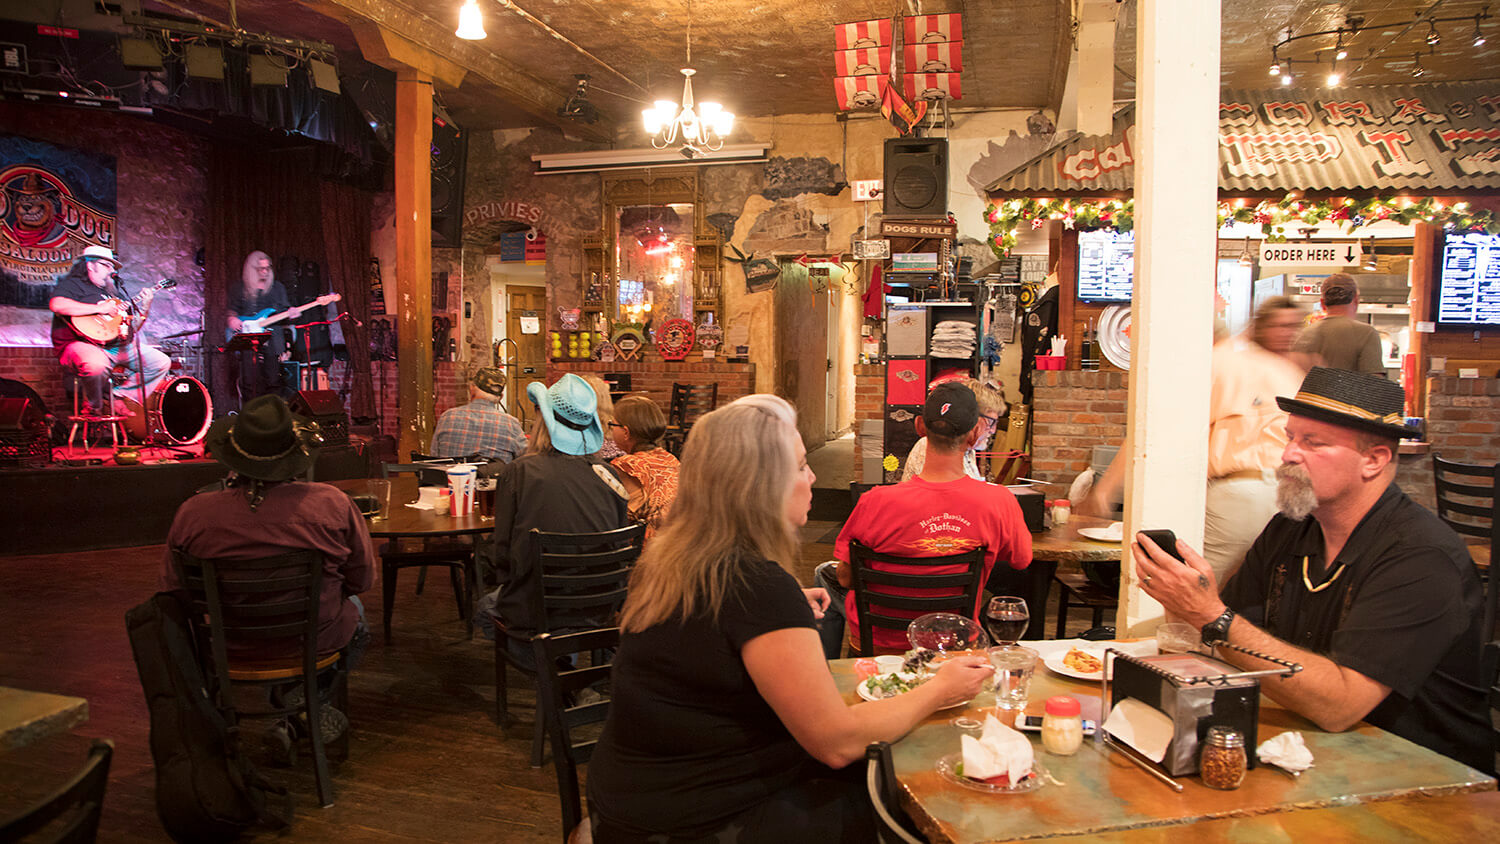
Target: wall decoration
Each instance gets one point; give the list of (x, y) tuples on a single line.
[(605, 352), (710, 335), (628, 342), (568, 318), (674, 339)]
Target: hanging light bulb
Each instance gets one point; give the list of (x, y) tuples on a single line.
[(1417, 70), (1340, 52), (1432, 34), (1286, 77), (1371, 263), (1246, 258), (470, 22), (1334, 78), (1275, 64), (1478, 36)]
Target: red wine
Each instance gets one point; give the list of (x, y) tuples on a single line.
[(1007, 625)]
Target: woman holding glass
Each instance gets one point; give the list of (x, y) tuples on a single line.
[(725, 719)]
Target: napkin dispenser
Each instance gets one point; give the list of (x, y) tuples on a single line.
[(1033, 504), (1194, 691)]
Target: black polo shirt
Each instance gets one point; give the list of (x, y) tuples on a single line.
[(1406, 611), (79, 289)]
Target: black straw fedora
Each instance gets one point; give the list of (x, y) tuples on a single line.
[(1355, 400), (266, 441)]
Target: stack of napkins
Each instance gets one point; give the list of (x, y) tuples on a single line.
[(998, 750), (953, 338)]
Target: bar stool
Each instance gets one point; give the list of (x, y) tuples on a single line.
[(109, 417)]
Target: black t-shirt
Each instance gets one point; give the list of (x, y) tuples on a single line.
[(690, 743), (274, 298), (79, 289), (1406, 612)]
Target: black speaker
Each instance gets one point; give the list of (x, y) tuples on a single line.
[(449, 154), (916, 177), (17, 414), (324, 408)]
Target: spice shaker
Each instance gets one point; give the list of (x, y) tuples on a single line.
[(1223, 762)]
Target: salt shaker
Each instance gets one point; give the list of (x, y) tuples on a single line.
[(1062, 510), (1223, 762)]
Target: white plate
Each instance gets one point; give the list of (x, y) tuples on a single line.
[(1055, 664), (1113, 533), (863, 691), (1114, 335), (948, 768)]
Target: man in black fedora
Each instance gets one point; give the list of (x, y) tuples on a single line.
[(1373, 595)]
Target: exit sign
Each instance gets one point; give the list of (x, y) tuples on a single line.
[(867, 190)]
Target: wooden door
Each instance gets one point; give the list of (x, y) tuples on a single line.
[(531, 351)]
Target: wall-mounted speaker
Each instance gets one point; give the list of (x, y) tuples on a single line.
[(449, 155), (916, 177)]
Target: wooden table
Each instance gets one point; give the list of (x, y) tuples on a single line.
[(404, 521), (1065, 545), (1105, 793), (26, 716)]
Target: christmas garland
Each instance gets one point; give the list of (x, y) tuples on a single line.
[(1007, 216)]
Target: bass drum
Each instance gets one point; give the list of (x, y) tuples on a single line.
[(178, 411)]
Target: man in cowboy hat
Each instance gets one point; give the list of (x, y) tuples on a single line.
[(480, 427), (91, 287), (266, 511), (557, 485), (1373, 595)]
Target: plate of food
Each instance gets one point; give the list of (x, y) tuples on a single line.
[(882, 686), (1078, 664), (1113, 532), (951, 767)]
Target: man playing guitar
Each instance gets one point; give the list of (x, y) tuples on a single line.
[(91, 287), (260, 373)]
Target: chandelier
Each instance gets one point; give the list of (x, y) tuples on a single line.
[(698, 129)]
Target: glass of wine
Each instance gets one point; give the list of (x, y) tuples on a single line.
[(1007, 618), (947, 634)]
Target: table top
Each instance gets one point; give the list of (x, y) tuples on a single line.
[(1103, 792), (1065, 545), (410, 521), (26, 716)]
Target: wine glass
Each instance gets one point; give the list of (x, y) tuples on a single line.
[(946, 634), (1007, 618)]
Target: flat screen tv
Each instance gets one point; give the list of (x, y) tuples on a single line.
[(1468, 284), (1106, 265)]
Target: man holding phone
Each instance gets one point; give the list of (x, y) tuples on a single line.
[(1373, 595)]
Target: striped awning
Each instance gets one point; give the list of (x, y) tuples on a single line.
[(1362, 140)]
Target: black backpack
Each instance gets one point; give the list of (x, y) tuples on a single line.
[(206, 790)]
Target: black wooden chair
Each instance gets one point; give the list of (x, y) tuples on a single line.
[(689, 401), (1089, 587), (273, 603), (1032, 584), (1468, 500), (892, 826), (873, 603), (583, 579), (74, 807), (456, 556), (559, 695)]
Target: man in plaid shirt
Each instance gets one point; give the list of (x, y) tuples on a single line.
[(480, 427)]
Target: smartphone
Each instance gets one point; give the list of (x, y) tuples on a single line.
[(1033, 723), (1166, 541)]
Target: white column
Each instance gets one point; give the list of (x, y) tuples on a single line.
[(1176, 188)]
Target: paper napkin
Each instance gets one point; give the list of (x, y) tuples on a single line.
[(998, 750), (1287, 751)]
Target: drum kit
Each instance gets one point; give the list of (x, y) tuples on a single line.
[(178, 411)]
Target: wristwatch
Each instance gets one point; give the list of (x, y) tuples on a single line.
[(1217, 631)]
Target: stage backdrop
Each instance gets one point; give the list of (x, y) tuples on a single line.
[(54, 201)]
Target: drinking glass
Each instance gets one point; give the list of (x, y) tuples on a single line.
[(1013, 669), (1178, 638), (381, 489), (947, 634), (1007, 618)]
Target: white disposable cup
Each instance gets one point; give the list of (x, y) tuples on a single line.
[(889, 664), (461, 483)]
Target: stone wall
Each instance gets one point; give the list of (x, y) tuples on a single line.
[(1073, 411), (1463, 424)]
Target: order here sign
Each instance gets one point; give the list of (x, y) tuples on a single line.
[(1310, 254)]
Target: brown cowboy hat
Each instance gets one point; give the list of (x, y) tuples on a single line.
[(266, 441)]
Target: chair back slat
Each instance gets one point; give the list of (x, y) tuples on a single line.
[(584, 576), (71, 813), (557, 691), (957, 593), (1481, 517)]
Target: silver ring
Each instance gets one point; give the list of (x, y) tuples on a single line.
[(1145, 580)]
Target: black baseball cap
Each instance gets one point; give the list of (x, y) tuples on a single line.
[(951, 410)]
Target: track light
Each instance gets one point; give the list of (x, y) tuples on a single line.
[(1334, 78), (1275, 64), (1339, 51), (1417, 71), (1247, 259), (1432, 34), (1478, 36), (1371, 263)]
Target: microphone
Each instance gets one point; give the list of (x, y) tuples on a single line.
[(352, 318)]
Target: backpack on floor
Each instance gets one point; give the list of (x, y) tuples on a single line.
[(206, 789)]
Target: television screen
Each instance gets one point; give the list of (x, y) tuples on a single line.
[(1106, 265), (1468, 287)]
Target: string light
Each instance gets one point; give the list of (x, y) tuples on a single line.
[(1339, 51), (1417, 71), (1478, 36), (1432, 34)]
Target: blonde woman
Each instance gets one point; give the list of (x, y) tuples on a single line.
[(606, 412), (725, 719), (648, 470)]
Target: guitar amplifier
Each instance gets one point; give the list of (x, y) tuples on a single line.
[(324, 408)]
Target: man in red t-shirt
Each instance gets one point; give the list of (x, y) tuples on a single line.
[(940, 512)]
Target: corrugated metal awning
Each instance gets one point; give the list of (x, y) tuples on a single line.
[(1401, 137)]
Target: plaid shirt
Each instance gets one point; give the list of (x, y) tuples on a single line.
[(478, 427)]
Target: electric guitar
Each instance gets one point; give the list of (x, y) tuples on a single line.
[(261, 320), (103, 329)]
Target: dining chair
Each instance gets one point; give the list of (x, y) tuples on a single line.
[(569, 664), (1468, 500), (1032, 584), (74, 808), (689, 401), (923, 592), (892, 824), (583, 579), (398, 554), (272, 603), (1086, 586), (1490, 663)]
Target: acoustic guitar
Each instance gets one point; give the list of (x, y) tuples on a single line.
[(258, 322), (103, 329)]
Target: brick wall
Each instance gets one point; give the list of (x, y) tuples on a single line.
[(869, 406), (1463, 424), (655, 377), (1073, 411)]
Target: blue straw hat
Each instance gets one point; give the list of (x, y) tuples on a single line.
[(569, 409)]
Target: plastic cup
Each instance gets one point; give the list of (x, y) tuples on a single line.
[(461, 479), (888, 664)]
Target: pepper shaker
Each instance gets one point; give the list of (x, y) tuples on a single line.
[(1223, 762)]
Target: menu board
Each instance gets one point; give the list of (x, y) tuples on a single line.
[(1106, 265), (1469, 285)]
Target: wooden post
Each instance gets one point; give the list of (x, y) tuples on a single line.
[(413, 302), (1423, 270), (1176, 189)]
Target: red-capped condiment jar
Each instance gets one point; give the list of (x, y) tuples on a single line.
[(1062, 726)]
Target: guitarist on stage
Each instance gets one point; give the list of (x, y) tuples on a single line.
[(91, 286), (259, 293)]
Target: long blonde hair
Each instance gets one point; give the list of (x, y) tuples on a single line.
[(737, 471), (250, 278), (606, 408)]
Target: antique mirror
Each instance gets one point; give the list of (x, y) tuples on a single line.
[(655, 250)]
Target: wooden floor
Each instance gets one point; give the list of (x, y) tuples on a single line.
[(427, 762)]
